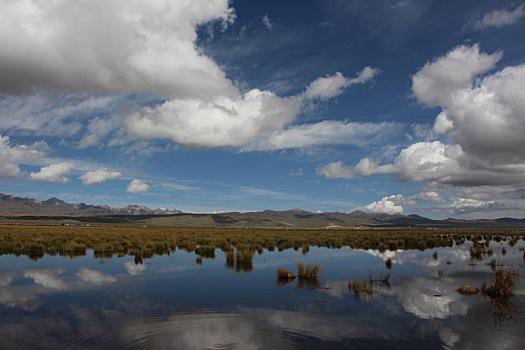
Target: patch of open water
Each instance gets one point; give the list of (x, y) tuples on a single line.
[(172, 302)]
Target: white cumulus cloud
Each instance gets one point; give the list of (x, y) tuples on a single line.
[(435, 82), (443, 124), (132, 46), (137, 186), (253, 120), (127, 45), (364, 167), (482, 118), (224, 121), (387, 205), (53, 173), (422, 161), (429, 161), (331, 86), (99, 176), (11, 156)]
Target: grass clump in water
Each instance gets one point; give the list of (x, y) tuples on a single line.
[(365, 289), (284, 276), (306, 249), (467, 289), (503, 285), (308, 272), (478, 250), (244, 259), (308, 275), (361, 289), (230, 258), (205, 252)]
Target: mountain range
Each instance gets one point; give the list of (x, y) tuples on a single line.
[(15, 208), (19, 206)]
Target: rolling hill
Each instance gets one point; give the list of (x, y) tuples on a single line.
[(19, 208)]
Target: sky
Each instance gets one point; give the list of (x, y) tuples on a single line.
[(386, 106)]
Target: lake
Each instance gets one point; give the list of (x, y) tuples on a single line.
[(180, 301)]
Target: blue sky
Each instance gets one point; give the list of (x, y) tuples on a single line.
[(394, 106)]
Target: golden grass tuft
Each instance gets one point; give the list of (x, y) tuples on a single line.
[(308, 275), (244, 259), (361, 288), (467, 289), (308, 272), (284, 276), (503, 285)]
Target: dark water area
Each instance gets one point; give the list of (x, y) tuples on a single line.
[(174, 302)]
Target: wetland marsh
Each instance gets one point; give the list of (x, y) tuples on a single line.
[(106, 288)]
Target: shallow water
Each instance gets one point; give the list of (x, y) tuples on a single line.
[(171, 302)]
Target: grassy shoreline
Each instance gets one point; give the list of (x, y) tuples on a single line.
[(37, 241)]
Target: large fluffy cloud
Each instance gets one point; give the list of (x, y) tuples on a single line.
[(489, 118), (118, 45), (437, 80), (53, 173), (428, 161), (223, 121), (480, 128), (483, 119), (484, 122), (394, 204), (136, 46), (12, 156), (484, 116), (255, 120), (126, 47), (387, 205), (422, 161)]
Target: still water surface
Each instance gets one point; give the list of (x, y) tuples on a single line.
[(171, 302)]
